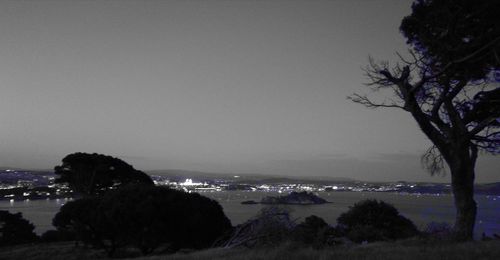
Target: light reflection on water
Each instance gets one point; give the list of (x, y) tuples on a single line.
[(421, 209)]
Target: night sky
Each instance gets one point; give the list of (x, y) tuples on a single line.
[(219, 86)]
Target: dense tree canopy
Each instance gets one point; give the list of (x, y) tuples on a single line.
[(459, 36), (92, 174), (458, 43), (446, 83), (144, 217)]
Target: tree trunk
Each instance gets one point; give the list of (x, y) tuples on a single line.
[(462, 164)]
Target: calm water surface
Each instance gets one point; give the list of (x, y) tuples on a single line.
[(421, 209)]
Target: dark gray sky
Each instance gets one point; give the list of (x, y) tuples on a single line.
[(229, 86)]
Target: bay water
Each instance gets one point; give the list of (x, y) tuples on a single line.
[(421, 209)]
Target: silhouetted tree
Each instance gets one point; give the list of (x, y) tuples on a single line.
[(372, 220), (14, 229), (447, 85), (93, 174), (145, 217)]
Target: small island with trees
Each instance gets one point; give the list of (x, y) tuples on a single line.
[(294, 198)]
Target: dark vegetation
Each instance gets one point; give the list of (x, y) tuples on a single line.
[(14, 229), (94, 174), (294, 198), (122, 209), (270, 227), (372, 220), (366, 221), (448, 86), (314, 231), (145, 218)]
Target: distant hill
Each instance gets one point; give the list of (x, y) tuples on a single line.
[(12, 176), (488, 189), (181, 175)]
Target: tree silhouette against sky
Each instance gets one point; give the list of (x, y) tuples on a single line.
[(447, 83), (93, 174)]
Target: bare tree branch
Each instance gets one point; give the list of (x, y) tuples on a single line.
[(481, 126), (364, 100), (433, 161)]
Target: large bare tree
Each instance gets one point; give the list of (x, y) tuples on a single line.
[(449, 84)]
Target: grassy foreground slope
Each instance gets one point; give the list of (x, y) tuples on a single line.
[(382, 251), (408, 249)]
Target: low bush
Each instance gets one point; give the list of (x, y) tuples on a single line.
[(315, 231), (14, 229), (372, 220), (271, 227)]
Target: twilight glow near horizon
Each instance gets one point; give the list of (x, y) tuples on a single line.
[(241, 86)]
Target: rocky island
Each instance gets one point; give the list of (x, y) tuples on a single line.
[(294, 198), (249, 202)]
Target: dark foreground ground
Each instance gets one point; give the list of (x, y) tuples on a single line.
[(409, 249)]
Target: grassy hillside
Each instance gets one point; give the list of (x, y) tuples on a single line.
[(408, 249)]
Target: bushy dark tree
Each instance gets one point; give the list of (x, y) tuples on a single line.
[(447, 85), (14, 229), (372, 220), (146, 217), (314, 231), (93, 174), (458, 37), (79, 218)]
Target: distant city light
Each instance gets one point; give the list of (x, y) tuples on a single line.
[(189, 182)]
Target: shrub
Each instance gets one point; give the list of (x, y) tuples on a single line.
[(14, 229), (270, 227), (146, 217), (94, 174), (372, 220), (314, 231)]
